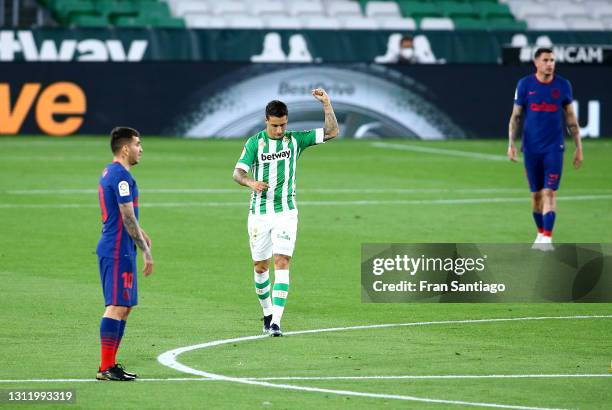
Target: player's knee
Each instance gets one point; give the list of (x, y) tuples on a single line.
[(261, 266), (548, 194), (281, 261), (117, 312)]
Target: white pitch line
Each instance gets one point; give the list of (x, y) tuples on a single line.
[(169, 359), (319, 203), (400, 377), (307, 190), (437, 376), (451, 152), (86, 191)]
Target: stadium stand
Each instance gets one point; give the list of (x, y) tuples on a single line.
[(406, 15)]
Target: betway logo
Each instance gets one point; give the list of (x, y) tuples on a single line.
[(275, 156), (67, 50)]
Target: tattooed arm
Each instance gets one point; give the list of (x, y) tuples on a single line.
[(331, 123), (572, 126), (241, 177), (133, 228), (516, 120)]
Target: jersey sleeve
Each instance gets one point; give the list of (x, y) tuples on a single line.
[(307, 138), (568, 96), (122, 186), (519, 94), (247, 158)]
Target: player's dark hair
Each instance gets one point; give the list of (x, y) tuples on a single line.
[(121, 136), (276, 108), (406, 37), (541, 51)]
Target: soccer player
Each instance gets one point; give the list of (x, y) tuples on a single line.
[(272, 156), (116, 249), (544, 101)]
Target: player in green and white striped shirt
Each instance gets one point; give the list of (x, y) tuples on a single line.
[(271, 156)]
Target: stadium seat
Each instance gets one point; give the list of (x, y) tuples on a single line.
[(490, 10), (607, 21), (506, 24), (546, 23), (467, 23), (245, 22), (599, 9), (358, 23), (182, 8), (397, 23), (343, 9), (282, 23), (455, 9), (65, 10), (569, 10), (418, 10), (436, 23), (112, 8), (86, 20), (585, 23), (155, 11), (268, 8), (230, 8), (382, 9), (321, 23), (205, 21), (304, 9), (528, 10)]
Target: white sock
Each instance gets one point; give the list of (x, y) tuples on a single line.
[(279, 294), (262, 288)]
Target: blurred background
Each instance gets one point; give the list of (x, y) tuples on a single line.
[(416, 69)]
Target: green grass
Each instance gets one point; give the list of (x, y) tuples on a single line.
[(201, 290)]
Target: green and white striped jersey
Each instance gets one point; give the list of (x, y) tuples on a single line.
[(274, 162)]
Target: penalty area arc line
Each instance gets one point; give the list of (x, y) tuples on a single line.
[(169, 359)]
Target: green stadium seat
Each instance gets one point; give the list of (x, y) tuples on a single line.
[(507, 24), (87, 20), (455, 9), (111, 8), (170, 22), (493, 10), (154, 8), (418, 10), (467, 23), (66, 9)]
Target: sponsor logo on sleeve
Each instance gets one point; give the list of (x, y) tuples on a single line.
[(124, 188)]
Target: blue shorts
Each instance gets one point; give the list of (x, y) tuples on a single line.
[(544, 170), (118, 277)]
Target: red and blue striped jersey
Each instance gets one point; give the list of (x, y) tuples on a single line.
[(543, 103), (116, 187)]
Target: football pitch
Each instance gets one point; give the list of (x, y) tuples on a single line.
[(201, 297)]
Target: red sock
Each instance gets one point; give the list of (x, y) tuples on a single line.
[(109, 330)]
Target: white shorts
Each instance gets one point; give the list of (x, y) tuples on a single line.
[(272, 234)]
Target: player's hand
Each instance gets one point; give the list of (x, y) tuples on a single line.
[(148, 263), (258, 186), (320, 95), (578, 158), (512, 153), (146, 238)]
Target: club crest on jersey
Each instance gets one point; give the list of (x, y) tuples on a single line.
[(556, 93), (266, 157)]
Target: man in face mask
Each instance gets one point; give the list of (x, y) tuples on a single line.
[(406, 51)]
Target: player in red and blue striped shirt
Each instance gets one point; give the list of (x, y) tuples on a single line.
[(544, 101), (121, 233)]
